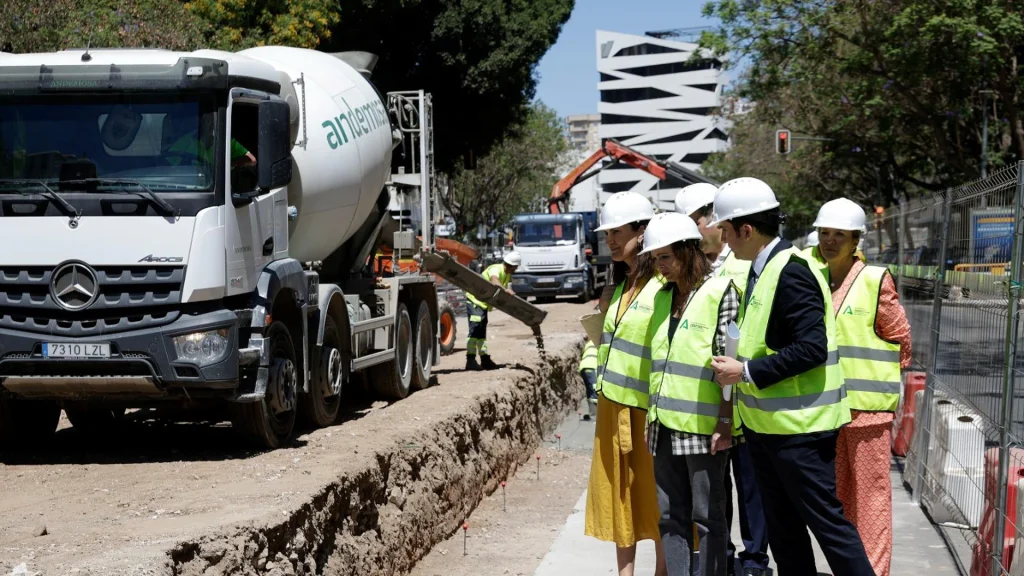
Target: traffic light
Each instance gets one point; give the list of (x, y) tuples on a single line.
[(782, 141)]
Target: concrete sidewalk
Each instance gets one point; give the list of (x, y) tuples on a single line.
[(917, 546)]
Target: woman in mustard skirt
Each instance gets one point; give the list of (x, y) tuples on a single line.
[(622, 501)]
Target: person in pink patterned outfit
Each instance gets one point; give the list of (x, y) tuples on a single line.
[(874, 346)]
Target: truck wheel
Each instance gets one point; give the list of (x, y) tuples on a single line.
[(393, 378), (423, 338), (90, 421), (319, 408), (26, 423), (270, 421), (446, 322)]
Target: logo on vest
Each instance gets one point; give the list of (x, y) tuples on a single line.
[(858, 311), (641, 308), (754, 302), (696, 326)]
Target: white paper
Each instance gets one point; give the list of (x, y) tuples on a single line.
[(732, 344)]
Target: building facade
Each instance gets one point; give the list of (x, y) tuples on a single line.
[(653, 99), (583, 132)]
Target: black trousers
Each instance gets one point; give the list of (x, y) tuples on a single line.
[(796, 476), (753, 527)]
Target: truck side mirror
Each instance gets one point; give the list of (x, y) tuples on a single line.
[(274, 158)]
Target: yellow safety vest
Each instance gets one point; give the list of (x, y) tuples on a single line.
[(871, 365), (624, 357), (492, 270), (684, 395), (736, 269), (589, 359), (813, 257), (814, 401)]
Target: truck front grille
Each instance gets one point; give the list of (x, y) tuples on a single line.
[(128, 298)]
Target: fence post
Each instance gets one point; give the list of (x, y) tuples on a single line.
[(1012, 306), (929, 386), (901, 221)]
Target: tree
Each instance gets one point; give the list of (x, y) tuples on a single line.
[(894, 86), (477, 58), (239, 24), (515, 177), (34, 26)]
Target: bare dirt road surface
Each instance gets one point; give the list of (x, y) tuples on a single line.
[(370, 495)]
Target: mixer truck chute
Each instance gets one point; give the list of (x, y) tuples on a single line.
[(255, 291)]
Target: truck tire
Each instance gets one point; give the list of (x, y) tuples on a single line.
[(393, 378), (423, 349), (27, 423), (94, 421), (269, 423), (447, 328), (319, 408)]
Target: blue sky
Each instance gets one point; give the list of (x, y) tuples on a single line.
[(568, 72)]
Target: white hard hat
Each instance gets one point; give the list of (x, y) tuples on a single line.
[(742, 197), (513, 258), (841, 214), (694, 197), (812, 239), (667, 228), (625, 208)]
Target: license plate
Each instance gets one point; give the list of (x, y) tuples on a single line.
[(75, 350), (547, 282)]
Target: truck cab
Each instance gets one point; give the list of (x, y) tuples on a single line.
[(193, 229), (558, 254)]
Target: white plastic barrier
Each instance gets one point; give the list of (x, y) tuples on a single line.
[(956, 473), (917, 440), (1017, 563)]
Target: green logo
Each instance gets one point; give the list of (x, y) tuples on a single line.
[(686, 324), (848, 311), (360, 121)]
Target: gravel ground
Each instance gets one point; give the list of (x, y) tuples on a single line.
[(183, 498)]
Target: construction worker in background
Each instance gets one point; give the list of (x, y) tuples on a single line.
[(874, 344), (622, 500), (690, 424), (697, 201), (789, 386), (499, 274), (588, 371)]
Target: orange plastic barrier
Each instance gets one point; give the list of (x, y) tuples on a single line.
[(981, 564), (903, 424)]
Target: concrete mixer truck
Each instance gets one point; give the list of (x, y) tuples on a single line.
[(195, 229)]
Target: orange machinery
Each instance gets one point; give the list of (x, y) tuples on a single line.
[(669, 172)]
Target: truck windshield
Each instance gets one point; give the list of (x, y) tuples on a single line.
[(545, 233), (165, 142)]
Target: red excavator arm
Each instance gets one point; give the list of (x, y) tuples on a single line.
[(668, 172)]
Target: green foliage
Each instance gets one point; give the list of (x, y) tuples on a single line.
[(34, 26), (477, 58), (515, 177), (895, 86), (240, 24)]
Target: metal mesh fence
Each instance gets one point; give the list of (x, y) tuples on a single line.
[(956, 258)]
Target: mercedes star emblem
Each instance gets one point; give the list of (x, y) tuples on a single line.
[(74, 286)]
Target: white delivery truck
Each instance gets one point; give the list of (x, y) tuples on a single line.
[(196, 228)]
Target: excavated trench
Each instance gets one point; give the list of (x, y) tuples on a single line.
[(385, 517)]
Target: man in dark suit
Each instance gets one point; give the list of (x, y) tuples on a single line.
[(788, 386)]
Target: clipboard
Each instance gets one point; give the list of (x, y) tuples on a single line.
[(593, 324)]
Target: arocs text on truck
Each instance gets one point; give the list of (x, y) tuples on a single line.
[(145, 263)]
